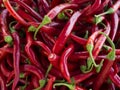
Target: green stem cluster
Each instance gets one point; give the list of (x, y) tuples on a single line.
[(91, 62)]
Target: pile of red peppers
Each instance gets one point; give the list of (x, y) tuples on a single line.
[(59, 44)]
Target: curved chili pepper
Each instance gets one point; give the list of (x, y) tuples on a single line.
[(13, 13), (32, 69), (59, 45), (9, 61), (114, 25), (6, 34), (41, 44), (4, 69), (4, 23), (25, 16), (30, 52), (100, 41), (92, 38), (16, 58), (94, 7), (63, 62), (29, 9)]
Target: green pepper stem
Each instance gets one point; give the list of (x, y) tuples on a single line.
[(91, 56), (109, 11), (8, 39), (48, 70), (11, 28), (70, 86), (46, 20), (111, 54)]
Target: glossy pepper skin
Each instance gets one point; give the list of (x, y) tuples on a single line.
[(58, 47), (63, 62)]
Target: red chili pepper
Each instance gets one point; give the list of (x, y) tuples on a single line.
[(100, 42), (3, 52), (79, 40), (2, 83), (94, 7), (16, 58), (59, 45), (103, 74), (69, 43), (29, 9), (41, 44), (32, 69), (63, 62), (4, 69), (48, 40), (81, 77), (75, 57), (103, 4), (95, 28), (56, 72), (114, 25), (35, 81), (30, 52), (26, 16), (4, 23), (46, 5), (11, 76), (13, 13), (49, 85), (6, 34), (92, 38), (9, 60), (114, 77)]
